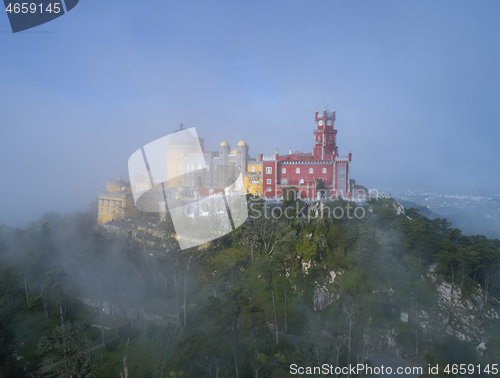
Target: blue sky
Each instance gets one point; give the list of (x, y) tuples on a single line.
[(415, 85)]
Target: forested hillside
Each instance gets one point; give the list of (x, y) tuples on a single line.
[(78, 300)]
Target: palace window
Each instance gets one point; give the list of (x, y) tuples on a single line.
[(107, 202), (283, 170), (107, 211), (269, 181), (301, 181), (119, 203), (114, 211), (323, 170), (253, 169), (311, 170), (101, 202), (179, 167), (268, 189), (297, 170), (102, 210), (269, 170), (284, 181), (113, 203)]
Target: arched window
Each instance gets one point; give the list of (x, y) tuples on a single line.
[(283, 170), (323, 170), (297, 170), (301, 181), (311, 170), (253, 169)]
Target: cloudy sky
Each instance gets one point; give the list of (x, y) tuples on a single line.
[(415, 85)]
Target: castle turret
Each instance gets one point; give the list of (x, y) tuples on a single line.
[(325, 144), (242, 155), (224, 150)]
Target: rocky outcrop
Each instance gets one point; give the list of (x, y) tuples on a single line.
[(323, 296)]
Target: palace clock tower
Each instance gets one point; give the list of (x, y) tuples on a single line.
[(325, 143)]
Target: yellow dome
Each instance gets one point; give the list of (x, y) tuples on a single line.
[(224, 144), (233, 152), (242, 143)]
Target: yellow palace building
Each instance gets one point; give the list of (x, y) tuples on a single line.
[(184, 170), (252, 179), (116, 202)]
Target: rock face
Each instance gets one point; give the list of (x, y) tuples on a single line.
[(403, 317), (322, 294), (322, 298), (463, 316), (459, 314)]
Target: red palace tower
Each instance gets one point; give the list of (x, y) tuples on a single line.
[(302, 171)]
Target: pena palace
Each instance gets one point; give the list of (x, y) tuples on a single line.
[(321, 171)]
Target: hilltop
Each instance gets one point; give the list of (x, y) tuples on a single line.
[(307, 289)]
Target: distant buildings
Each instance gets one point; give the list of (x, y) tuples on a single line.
[(321, 171)]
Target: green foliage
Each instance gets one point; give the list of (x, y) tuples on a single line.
[(380, 265), (66, 352), (306, 249), (320, 185), (451, 350), (493, 349), (127, 332), (112, 345)]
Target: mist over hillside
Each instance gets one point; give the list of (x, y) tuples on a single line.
[(313, 288)]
